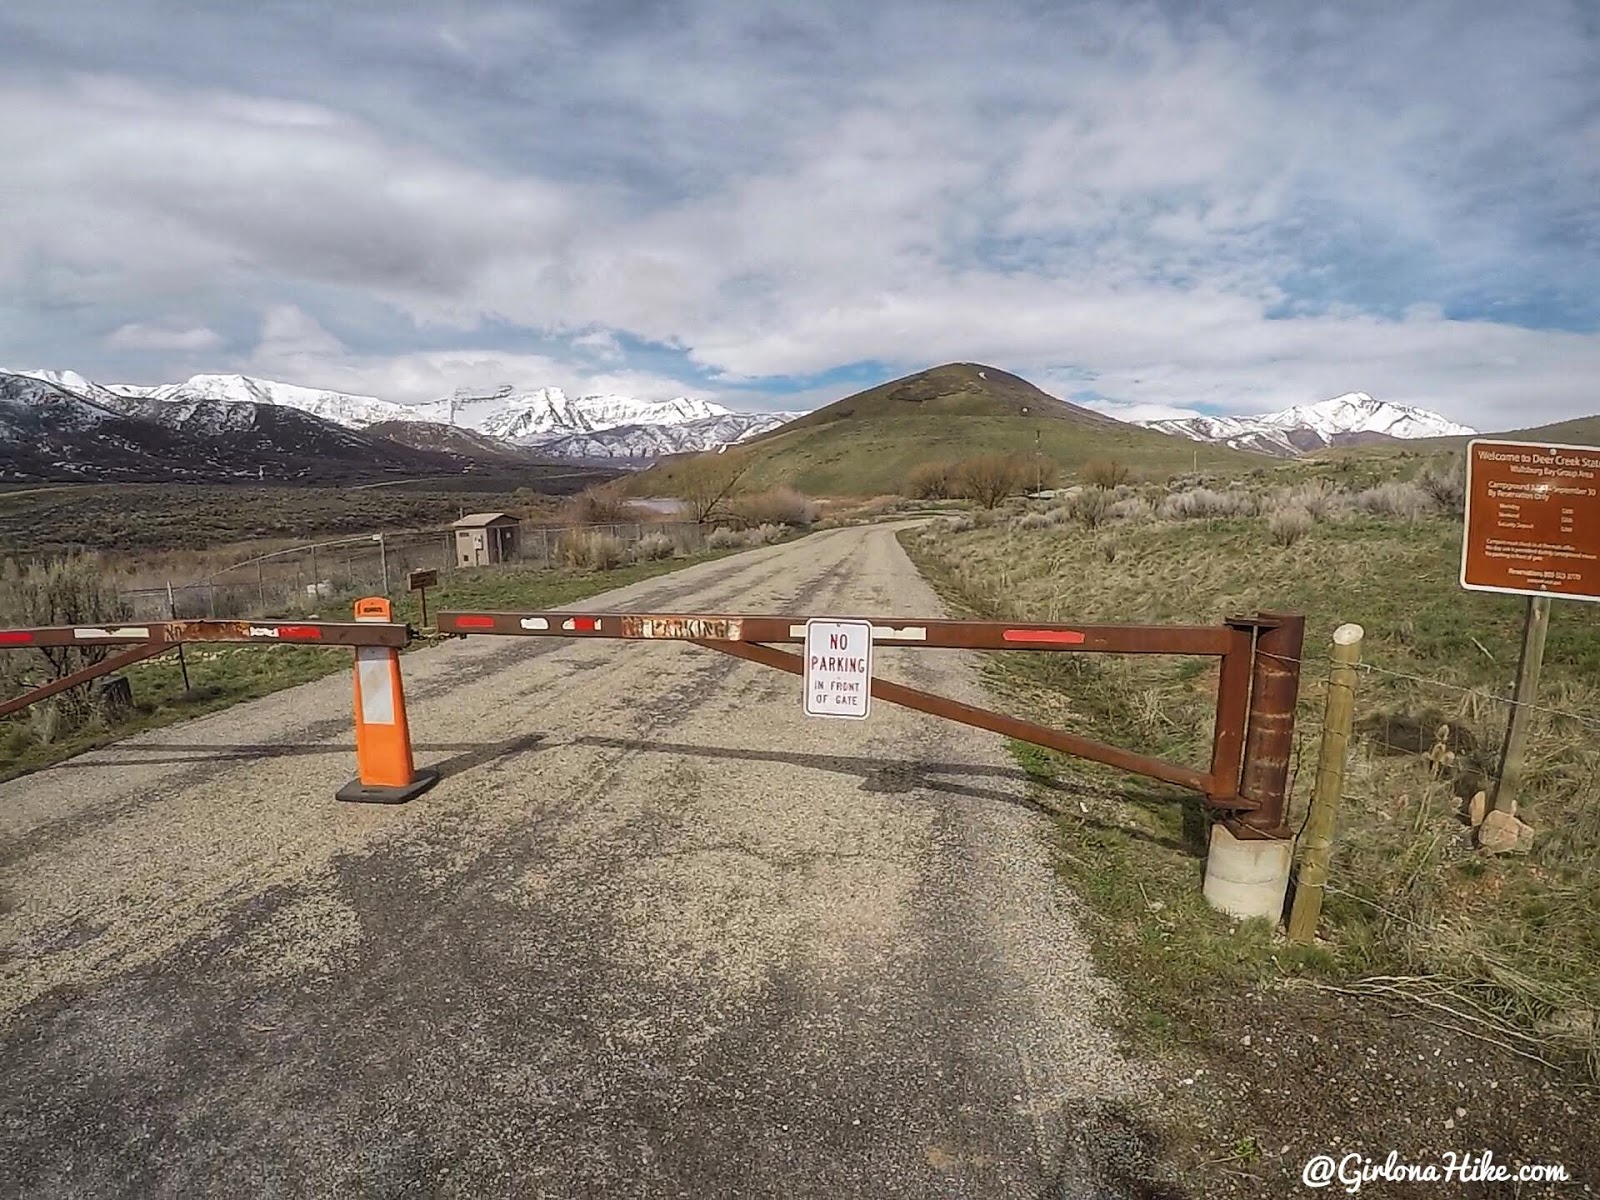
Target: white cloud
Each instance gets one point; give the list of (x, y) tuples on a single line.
[(139, 336), (1127, 198), (602, 344)]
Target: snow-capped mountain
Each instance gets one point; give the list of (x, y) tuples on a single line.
[(78, 385), (547, 414), (546, 420), (653, 441), (1308, 427), (353, 412), (51, 433)]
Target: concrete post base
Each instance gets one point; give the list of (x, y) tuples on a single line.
[(1247, 878)]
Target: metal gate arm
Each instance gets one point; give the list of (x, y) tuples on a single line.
[(105, 666), (982, 718)]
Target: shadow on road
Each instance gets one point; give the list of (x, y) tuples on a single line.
[(470, 754), (879, 775), (876, 774)]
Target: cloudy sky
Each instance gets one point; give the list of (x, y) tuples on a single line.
[(1225, 207)]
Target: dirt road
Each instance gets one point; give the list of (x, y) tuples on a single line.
[(654, 934)]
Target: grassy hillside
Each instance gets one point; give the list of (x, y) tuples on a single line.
[(866, 444)]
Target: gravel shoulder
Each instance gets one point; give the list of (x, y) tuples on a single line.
[(654, 934)]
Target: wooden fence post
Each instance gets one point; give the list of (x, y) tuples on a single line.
[(1316, 844), (1512, 756)]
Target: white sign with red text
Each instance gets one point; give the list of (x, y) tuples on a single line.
[(838, 679)]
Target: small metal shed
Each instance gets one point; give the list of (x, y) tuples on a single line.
[(484, 538)]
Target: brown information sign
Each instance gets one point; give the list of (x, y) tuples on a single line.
[(1533, 520), (418, 580)]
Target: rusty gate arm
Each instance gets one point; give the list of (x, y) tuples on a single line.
[(105, 666), (983, 718), (752, 637), (172, 633)]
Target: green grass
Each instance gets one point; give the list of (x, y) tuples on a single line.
[(222, 675), (1523, 934)]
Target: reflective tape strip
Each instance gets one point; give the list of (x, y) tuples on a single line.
[(131, 631), (309, 633), (534, 623), (15, 637), (581, 625), (1069, 637), (475, 622), (881, 633), (899, 633), (375, 680)]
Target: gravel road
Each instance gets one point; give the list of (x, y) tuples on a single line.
[(654, 934)]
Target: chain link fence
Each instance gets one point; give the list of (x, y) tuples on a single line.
[(303, 579)]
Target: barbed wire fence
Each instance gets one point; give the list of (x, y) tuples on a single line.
[(303, 579)]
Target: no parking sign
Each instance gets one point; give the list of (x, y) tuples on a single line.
[(838, 678)]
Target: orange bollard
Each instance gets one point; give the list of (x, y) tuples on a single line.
[(385, 772)]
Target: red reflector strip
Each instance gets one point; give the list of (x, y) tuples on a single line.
[(15, 637), (309, 632), (1070, 637), (583, 624), (470, 622)]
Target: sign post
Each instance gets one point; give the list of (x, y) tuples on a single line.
[(838, 670), (1532, 529), (421, 581)]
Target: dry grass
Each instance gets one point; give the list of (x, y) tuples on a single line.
[(777, 506), (1288, 525), (1396, 499), (591, 550), (1203, 503), (1412, 895), (653, 546)]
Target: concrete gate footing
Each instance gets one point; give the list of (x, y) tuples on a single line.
[(1247, 878)]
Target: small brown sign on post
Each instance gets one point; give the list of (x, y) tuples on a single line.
[(420, 582), (1533, 520)]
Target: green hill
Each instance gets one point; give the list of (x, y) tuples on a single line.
[(1579, 431), (866, 444)]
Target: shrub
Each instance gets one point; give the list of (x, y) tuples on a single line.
[(654, 546), (707, 484), (990, 478), (724, 539), (67, 591), (1109, 548), (1203, 503), (1321, 499), (780, 506), (601, 504), (1288, 525), (592, 550), (1090, 508), (1405, 500), (1104, 473), (1134, 509), (931, 481), (962, 524), (1445, 484), (1035, 520)]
